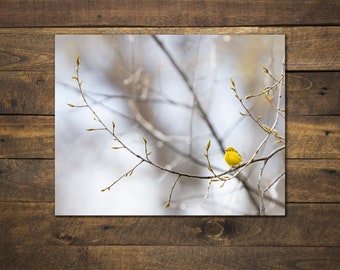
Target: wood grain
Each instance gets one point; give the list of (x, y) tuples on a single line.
[(27, 92), (26, 52), (313, 137), (26, 136), (35, 224), (313, 93), (165, 257), (308, 48), (27, 180), (43, 257), (313, 180), (211, 257), (19, 13)]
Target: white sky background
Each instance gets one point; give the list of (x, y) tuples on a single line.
[(114, 69)]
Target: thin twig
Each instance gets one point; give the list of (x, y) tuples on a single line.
[(262, 206), (172, 191), (273, 183), (129, 173), (256, 119)]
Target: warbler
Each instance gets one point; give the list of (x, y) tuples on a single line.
[(232, 157)]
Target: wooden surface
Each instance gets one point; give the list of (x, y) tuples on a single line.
[(33, 238)]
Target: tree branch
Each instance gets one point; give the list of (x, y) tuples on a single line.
[(191, 88)]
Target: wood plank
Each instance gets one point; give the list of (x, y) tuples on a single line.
[(33, 137), (305, 45), (43, 257), (26, 52), (216, 258), (26, 136), (35, 224), (27, 92), (313, 180), (24, 180), (164, 257), (308, 48), (313, 93), (19, 13), (32, 92), (313, 137)]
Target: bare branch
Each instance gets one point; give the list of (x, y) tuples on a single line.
[(191, 88), (172, 190), (273, 183), (129, 173)]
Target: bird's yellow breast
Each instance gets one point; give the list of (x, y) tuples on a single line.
[(232, 157)]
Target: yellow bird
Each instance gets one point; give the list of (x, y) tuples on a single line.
[(232, 157)]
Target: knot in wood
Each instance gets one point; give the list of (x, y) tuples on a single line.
[(66, 238), (213, 228)]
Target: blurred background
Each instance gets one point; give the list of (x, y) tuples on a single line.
[(174, 90)]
